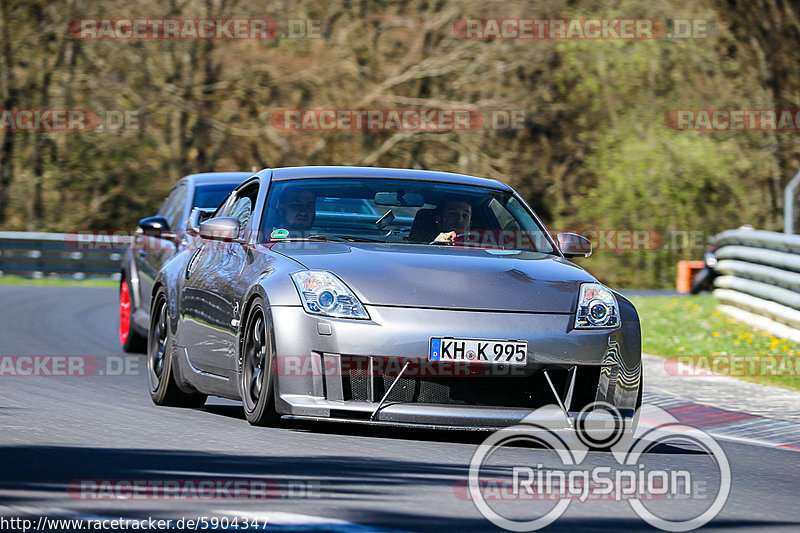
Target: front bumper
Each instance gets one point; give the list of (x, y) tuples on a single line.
[(342, 369)]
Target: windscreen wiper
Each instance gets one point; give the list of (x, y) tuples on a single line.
[(342, 238)]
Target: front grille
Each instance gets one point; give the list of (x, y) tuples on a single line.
[(355, 379), (478, 391), (529, 391)]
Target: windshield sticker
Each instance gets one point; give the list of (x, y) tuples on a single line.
[(279, 233)]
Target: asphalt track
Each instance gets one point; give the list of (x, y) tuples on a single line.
[(58, 431)]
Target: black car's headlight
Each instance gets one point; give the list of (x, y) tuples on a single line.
[(597, 307), (324, 294)]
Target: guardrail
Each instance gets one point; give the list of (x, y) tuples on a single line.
[(61, 255), (759, 271)]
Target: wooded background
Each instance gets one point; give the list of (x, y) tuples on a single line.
[(593, 153)]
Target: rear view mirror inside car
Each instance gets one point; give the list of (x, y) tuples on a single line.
[(399, 198)]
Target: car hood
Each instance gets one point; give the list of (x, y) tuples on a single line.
[(446, 277)]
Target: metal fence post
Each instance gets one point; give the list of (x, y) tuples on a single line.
[(788, 204)]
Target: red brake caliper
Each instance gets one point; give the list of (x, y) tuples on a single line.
[(124, 312)]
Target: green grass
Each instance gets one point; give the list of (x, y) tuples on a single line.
[(692, 325), (14, 280)]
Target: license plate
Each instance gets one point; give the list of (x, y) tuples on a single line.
[(478, 350)]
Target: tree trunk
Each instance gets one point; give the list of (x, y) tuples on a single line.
[(9, 95)]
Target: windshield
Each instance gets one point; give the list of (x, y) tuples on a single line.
[(399, 211)]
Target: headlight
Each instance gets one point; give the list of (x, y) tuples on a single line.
[(322, 293), (597, 307)]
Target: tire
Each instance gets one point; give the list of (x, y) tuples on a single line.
[(160, 378), (703, 281), (639, 396), (638, 411), (255, 368), (130, 340)]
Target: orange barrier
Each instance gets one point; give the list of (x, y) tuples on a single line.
[(686, 272)]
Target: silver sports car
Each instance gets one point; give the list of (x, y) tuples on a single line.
[(388, 296)]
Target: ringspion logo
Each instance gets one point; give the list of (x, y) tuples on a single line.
[(542, 491)]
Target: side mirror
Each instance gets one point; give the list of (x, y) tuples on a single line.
[(574, 245), (195, 217), (157, 227), (220, 229)]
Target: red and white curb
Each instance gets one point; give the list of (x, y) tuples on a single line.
[(725, 424)]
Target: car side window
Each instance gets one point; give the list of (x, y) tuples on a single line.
[(173, 206), (165, 205), (240, 206), (504, 217), (226, 205)]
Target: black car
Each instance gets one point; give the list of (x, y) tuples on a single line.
[(156, 240)]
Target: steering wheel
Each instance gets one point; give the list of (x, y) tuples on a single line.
[(460, 238)]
